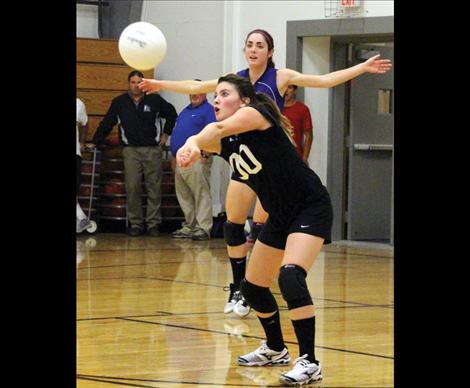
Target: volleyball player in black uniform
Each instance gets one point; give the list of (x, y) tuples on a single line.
[(252, 135)]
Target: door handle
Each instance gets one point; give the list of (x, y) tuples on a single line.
[(373, 147)]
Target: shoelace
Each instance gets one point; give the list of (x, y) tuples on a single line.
[(263, 348), (302, 362), (237, 295)]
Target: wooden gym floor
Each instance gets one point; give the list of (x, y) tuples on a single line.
[(150, 314)]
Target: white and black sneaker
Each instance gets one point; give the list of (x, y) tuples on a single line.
[(241, 308), (303, 372), (233, 298), (264, 356)]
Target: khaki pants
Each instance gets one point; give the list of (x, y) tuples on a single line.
[(193, 191), (143, 164)]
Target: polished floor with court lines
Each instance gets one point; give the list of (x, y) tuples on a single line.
[(150, 314)]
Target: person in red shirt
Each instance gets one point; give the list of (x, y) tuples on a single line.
[(300, 118)]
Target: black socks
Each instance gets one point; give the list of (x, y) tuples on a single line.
[(238, 270), (272, 328), (305, 333)]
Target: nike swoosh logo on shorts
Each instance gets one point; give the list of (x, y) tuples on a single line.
[(304, 226)]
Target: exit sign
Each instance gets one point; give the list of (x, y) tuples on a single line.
[(349, 3)]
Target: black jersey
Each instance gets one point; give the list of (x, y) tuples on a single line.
[(268, 162)]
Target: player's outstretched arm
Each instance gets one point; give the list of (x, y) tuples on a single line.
[(185, 87), (373, 65)]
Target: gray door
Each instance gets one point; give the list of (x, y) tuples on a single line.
[(370, 171)]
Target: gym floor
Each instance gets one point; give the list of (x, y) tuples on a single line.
[(150, 314)]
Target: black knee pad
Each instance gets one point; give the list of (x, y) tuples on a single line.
[(259, 298), (255, 230), (234, 234), (294, 287)]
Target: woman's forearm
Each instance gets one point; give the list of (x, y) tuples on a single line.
[(340, 76), (188, 86), (209, 138)]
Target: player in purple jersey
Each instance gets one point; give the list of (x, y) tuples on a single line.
[(258, 51)]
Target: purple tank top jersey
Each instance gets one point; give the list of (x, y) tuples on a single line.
[(266, 84)]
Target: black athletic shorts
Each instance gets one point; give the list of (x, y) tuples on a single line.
[(315, 220), (78, 173)]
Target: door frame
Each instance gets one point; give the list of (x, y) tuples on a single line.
[(342, 32)]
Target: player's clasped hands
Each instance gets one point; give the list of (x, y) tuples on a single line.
[(188, 155)]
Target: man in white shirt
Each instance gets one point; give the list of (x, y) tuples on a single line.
[(82, 127)]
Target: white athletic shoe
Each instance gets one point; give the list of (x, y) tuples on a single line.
[(241, 308), (233, 298), (264, 356), (303, 372)]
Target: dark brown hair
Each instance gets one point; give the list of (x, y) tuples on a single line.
[(133, 73)]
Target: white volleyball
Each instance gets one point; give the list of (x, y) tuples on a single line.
[(142, 45)]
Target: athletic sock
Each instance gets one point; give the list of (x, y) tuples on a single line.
[(272, 328), (238, 270), (80, 214), (305, 333)]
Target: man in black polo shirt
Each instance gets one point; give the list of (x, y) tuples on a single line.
[(136, 114)]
